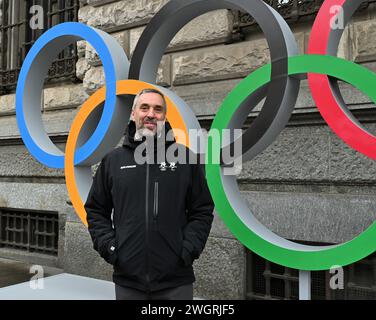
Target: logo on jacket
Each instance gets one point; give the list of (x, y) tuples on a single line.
[(164, 166), (128, 167)]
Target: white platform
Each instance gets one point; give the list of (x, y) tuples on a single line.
[(63, 286)]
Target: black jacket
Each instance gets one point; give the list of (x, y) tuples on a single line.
[(162, 215)]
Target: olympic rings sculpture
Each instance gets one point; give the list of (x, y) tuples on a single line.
[(99, 123)]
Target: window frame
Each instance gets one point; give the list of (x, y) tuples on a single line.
[(16, 39)]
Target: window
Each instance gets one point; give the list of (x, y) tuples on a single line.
[(267, 281), (17, 37), (29, 230), (290, 10)]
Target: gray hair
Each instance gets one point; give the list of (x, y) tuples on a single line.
[(149, 91)]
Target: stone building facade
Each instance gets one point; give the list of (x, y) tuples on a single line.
[(307, 186)]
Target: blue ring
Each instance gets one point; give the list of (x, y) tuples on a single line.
[(93, 37)]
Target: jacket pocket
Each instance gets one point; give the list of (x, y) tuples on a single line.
[(129, 250), (173, 238), (166, 257)]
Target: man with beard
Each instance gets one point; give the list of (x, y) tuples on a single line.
[(150, 220)]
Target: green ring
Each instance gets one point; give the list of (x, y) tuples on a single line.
[(315, 258)]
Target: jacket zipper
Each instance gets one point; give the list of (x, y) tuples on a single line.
[(155, 211), (147, 229)]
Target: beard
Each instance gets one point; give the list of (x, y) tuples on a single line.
[(142, 131)]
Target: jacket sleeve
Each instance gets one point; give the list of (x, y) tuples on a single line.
[(99, 208), (200, 208)]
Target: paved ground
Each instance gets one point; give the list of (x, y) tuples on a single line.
[(13, 272), (62, 286)]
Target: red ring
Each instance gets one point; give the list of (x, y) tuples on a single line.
[(349, 131)]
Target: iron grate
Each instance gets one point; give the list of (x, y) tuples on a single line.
[(29, 230)]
